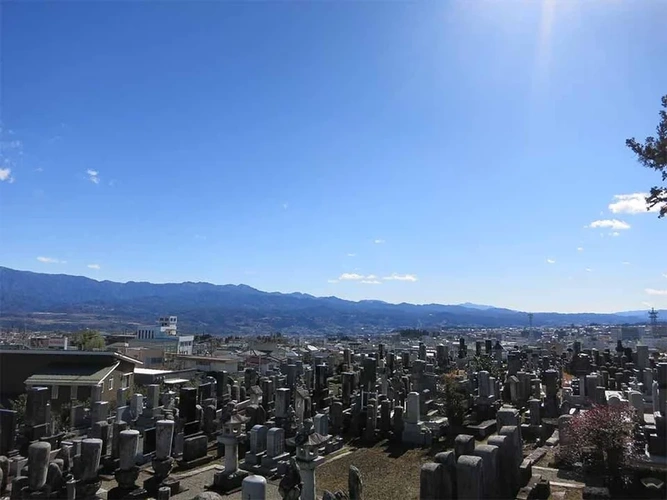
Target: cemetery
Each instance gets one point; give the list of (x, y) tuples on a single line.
[(428, 422)]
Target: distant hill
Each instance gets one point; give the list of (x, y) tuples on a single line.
[(70, 302)]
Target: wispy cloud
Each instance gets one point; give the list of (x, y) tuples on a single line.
[(200, 237), (285, 206), (351, 254), (378, 242), (615, 233), (580, 249), (589, 270), (6, 175), (653, 291), (647, 304), (626, 263), (551, 261), (94, 266), (610, 223), (401, 277), (351, 277), (634, 203), (51, 260), (664, 275), (371, 282), (93, 176), (332, 281)]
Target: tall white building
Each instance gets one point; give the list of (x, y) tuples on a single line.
[(166, 333)]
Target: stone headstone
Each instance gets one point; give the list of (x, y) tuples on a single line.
[(469, 477), (39, 455), (164, 433), (194, 447), (464, 444), (187, 404), (275, 441), (7, 431)]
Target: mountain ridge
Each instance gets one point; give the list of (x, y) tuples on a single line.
[(228, 308)]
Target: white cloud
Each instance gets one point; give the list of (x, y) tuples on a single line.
[(589, 270), (378, 242), (332, 281), (401, 277), (50, 260), (647, 304), (626, 263), (351, 254), (580, 249), (664, 275), (653, 291), (551, 261), (610, 223), (285, 206), (94, 266), (371, 282), (371, 277), (351, 276), (93, 176), (634, 203), (6, 175), (615, 233)]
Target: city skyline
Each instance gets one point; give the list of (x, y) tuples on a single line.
[(441, 153)]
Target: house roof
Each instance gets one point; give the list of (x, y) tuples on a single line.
[(71, 374), (51, 352)]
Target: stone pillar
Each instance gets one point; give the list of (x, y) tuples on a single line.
[(38, 464), (253, 488), (535, 417), (128, 472), (137, 405), (231, 453), (91, 452), (412, 410), (153, 400), (282, 402), (308, 478), (164, 434), (128, 444)]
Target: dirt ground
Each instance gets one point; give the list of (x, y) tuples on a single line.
[(387, 473)]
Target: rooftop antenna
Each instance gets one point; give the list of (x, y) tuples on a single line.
[(653, 316)]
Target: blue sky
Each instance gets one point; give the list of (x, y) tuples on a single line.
[(420, 152)]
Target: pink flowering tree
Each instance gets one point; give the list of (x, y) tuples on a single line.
[(600, 437)]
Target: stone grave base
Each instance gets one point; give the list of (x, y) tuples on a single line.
[(334, 444), (152, 485), (119, 493), (197, 462), (416, 435), (223, 481), (483, 430)]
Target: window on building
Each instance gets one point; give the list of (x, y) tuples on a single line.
[(110, 383), (73, 392), (54, 392)]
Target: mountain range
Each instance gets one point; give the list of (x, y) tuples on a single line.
[(59, 301)]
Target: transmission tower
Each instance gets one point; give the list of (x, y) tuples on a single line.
[(653, 316), (530, 321)]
